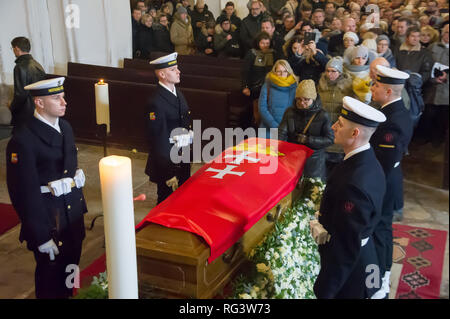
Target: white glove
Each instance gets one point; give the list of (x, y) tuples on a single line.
[(318, 232), (183, 139), (49, 248), (173, 183), (79, 178), (60, 186)]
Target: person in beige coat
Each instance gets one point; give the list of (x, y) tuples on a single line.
[(181, 33)]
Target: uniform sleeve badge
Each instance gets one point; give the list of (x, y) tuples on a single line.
[(348, 206), (388, 137), (14, 158), (152, 116)]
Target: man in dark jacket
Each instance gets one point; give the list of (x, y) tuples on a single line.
[(226, 39), (412, 57), (44, 184), (136, 16), (268, 25), (205, 40), (229, 13), (26, 71), (390, 142), (161, 35), (336, 42), (251, 26), (350, 209), (169, 134), (200, 16)]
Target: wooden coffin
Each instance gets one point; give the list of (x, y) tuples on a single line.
[(174, 264)]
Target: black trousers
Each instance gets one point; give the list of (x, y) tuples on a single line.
[(183, 173), (383, 231), (398, 203), (51, 276)]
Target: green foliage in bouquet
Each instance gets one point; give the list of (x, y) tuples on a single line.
[(286, 263), (97, 290)]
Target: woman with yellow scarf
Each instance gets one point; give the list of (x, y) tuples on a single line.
[(277, 94)]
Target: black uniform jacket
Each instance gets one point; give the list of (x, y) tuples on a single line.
[(36, 155), (392, 137), (350, 209), (166, 112)]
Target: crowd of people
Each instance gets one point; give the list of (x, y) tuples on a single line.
[(332, 43)]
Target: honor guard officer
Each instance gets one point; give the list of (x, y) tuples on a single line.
[(169, 133), (389, 142), (350, 209), (44, 185)]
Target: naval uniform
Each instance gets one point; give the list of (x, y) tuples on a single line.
[(36, 155), (166, 112), (350, 209), (390, 142)]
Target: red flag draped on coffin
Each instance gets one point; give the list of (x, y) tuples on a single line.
[(226, 197)]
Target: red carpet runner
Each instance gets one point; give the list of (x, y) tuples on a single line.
[(421, 250), (8, 218)]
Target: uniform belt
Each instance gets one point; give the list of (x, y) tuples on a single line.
[(364, 241), (46, 189), (64, 186)]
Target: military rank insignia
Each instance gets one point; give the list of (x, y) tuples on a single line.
[(152, 116), (14, 158)]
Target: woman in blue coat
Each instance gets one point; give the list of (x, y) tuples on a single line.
[(277, 94)]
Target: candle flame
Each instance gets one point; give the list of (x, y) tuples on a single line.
[(101, 81)]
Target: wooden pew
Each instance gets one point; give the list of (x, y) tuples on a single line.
[(128, 110), (189, 68), (148, 76), (202, 59), (239, 105)]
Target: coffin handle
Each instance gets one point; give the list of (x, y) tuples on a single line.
[(272, 219), (228, 258)]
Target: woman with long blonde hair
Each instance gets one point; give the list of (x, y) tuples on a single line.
[(277, 94), (428, 35)]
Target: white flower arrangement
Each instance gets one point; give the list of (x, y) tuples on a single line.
[(287, 261)]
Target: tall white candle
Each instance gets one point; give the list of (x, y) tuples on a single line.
[(118, 210), (102, 104)]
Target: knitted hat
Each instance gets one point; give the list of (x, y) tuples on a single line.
[(359, 51), (181, 10), (382, 37), (306, 89), (336, 63), (351, 35)]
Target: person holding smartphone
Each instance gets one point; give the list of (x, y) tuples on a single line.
[(312, 61)]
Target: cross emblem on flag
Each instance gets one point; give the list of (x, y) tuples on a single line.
[(223, 172), (238, 159)]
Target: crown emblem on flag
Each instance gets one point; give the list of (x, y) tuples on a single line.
[(258, 149)]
